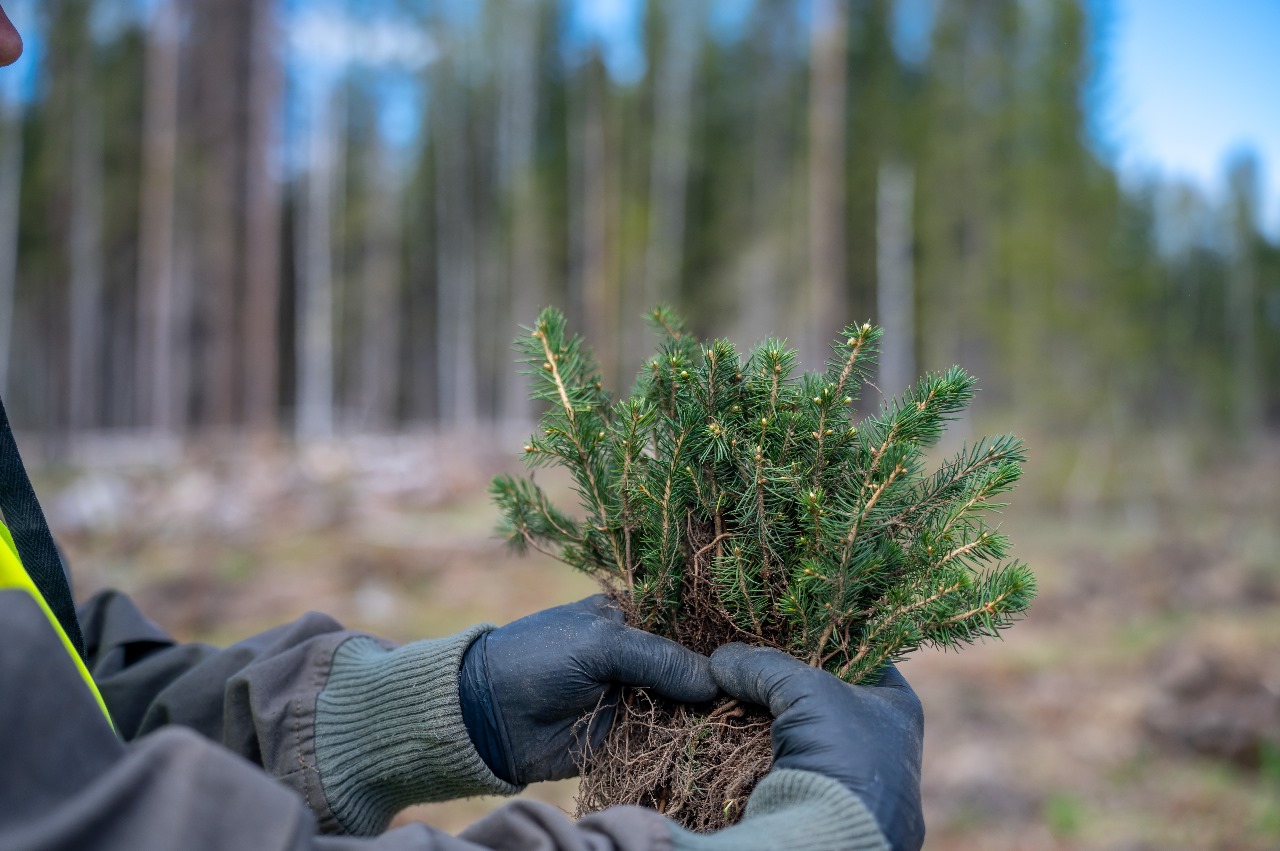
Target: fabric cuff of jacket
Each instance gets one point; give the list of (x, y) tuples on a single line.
[(797, 810), (389, 731)]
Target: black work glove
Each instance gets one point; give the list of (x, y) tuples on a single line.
[(869, 738), (524, 687)]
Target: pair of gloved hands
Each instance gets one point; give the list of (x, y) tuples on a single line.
[(524, 688)]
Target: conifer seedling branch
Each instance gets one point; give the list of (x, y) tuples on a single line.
[(731, 499)]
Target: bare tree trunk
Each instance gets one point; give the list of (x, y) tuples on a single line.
[(219, 52), (10, 194), (380, 291), (491, 307), (456, 286), (526, 266), (829, 55), (154, 378), (1242, 316), (314, 415), (575, 192), (262, 227), (1241, 311), (121, 338), (420, 287), (895, 274), (86, 349), (181, 349), (340, 105), (599, 306), (772, 140), (669, 163)]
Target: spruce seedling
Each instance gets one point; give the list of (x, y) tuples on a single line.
[(732, 499)]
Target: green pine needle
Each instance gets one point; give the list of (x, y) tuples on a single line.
[(730, 499)]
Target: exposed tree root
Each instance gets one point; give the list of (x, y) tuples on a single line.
[(695, 766)]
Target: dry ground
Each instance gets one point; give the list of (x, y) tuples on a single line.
[(1138, 707)]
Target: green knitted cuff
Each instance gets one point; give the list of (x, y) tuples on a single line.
[(389, 731), (798, 810)]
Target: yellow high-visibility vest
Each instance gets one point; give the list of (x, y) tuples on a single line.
[(14, 575)]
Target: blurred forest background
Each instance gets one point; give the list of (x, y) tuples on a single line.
[(261, 264), (238, 213)]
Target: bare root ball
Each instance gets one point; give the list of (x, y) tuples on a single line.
[(695, 767)]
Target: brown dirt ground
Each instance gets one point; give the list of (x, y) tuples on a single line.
[(1137, 707)]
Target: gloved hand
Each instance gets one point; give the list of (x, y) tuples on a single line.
[(869, 738), (524, 687)]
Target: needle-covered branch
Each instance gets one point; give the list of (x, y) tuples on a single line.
[(731, 499)]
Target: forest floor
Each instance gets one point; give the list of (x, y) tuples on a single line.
[(1137, 707)]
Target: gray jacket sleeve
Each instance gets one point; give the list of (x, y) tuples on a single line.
[(294, 734), (357, 728)]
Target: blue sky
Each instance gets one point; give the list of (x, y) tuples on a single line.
[(1192, 82)]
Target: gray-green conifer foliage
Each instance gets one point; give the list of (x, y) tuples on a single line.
[(730, 498)]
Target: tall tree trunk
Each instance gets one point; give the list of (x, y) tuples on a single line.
[(380, 295), (181, 349), (575, 195), (895, 274), (1241, 311), (422, 399), (340, 156), (829, 55), (669, 162), (121, 324), (598, 297), (456, 284), (154, 378), (526, 262), (10, 194), (420, 291), (492, 352), (773, 142), (219, 51), (315, 368), (262, 226), (85, 358)]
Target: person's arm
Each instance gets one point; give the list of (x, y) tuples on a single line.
[(357, 727), (70, 782), (83, 787), (361, 729)]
